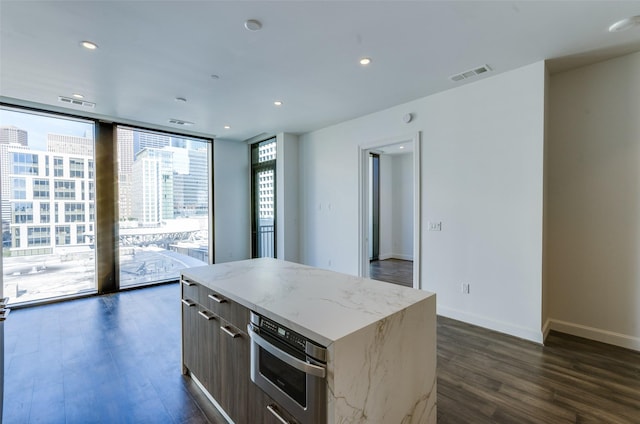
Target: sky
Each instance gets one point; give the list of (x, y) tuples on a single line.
[(38, 126)]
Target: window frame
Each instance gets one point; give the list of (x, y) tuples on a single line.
[(257, 167)]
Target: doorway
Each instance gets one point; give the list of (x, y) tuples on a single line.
[(390, 210)]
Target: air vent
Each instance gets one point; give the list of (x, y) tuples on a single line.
[(76, 102), (180, 122), (470, 73)]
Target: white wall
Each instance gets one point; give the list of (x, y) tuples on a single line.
[(329, 201), (232, 200), (482, 175), (396, 206), (385, 245), (402, 201), (594, 202), (287, 222)]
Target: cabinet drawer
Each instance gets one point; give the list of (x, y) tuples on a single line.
[(189, 289), (266, 411), (236, 314)]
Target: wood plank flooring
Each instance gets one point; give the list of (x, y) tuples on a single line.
[(488, 377), (108, 359), (394, 271), (116, 359)]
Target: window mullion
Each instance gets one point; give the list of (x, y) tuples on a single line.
[(106, 239)]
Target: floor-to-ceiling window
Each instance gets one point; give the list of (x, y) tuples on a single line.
[(263, 188), (163, 205), (48, 202), (90, 207)]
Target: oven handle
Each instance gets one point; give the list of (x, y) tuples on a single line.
[(305, 367)]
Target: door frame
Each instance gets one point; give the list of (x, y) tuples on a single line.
[(374, 227), (363, 202)]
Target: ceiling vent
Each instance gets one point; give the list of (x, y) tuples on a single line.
[(76, 102), (470, 73), (180, 122)]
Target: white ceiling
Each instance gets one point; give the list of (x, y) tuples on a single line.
[(306, 55)]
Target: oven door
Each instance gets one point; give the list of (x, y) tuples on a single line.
[(295, 381)]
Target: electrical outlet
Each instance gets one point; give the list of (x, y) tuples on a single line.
[(466, 288), (434, 226)]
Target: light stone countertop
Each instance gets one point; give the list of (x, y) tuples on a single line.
[(322, 305)]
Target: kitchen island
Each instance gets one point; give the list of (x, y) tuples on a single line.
[(380, 340)]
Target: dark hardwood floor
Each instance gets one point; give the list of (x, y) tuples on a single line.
[(107, 359), (488, 377), (394, 271), (116, 359)]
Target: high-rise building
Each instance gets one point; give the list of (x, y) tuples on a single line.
[(125, 172), (266, 195), (267, 152), (51, 199), (266, 189), (190, 195), (70, 144), (143, 140), (13, 135), (16, 137), (160, 177), (153, 185)]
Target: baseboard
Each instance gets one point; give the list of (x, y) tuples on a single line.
[(382, 257), (492, 324), (402, 257), (597, 334), (545, 329)]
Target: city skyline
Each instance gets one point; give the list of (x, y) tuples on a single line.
[(38, 127), (67, 157)]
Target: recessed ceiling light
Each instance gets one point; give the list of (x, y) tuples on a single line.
[(253, 25), (365, 61), (78, 96), (277, 103), (402, 147), (181, 100), (625, 24), (89, 45), (227, 127)]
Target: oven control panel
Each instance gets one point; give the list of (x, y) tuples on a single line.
[(283, 333)]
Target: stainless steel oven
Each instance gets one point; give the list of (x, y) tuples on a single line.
[(290, 368)]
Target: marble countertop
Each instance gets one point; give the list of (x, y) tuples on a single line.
[(322, 305)]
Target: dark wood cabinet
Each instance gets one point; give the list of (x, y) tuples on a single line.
[(235, 380), (232, 312), (190, 290), (216, 349), (208, 362), (200, 329), (189, 335)]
